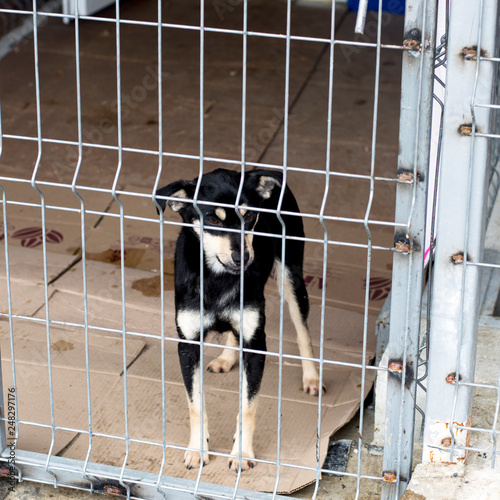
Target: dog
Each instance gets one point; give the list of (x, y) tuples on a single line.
[(226, 255)]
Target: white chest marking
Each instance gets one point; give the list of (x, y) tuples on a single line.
[(189, 322), (251, 319)]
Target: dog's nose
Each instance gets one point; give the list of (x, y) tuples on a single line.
[(236, 256)]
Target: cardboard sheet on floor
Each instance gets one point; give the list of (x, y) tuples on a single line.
[(67, 378), (104, 298), (343, 344), (62, 215), (27, 282), (141, 237)]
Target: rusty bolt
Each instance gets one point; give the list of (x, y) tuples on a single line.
[(465, 129), (4, 471), (389, 477), (412, 40), (458, 258), (469, 53), (403, 247), (446, 442), (405, 177), (112, 490), (410, 44), (396, 367), (450, 379)]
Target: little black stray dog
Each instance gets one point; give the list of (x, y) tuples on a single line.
[(224, 260)]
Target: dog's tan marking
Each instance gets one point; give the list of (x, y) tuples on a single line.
[(193, 458), (310, 377), (218, 251), (177, 205), (249, 410), (249, 247), (243, 210), (220, 213), (227, 359), (266, 186)]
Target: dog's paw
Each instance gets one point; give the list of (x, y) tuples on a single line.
[(220, 365), (192, 459), (311, 386), (245, 463)]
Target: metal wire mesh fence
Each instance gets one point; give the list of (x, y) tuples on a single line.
[(109, 108)]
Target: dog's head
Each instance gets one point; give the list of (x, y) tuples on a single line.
[(218, 190)]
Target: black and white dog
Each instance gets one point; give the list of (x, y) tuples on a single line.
[(222, 267)]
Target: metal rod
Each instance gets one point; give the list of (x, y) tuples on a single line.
[(162, 256), (369, 240), (202, 225), (209, 29), (359, 28), (122, 242), (44, 232), (239, 429), (83, 239)]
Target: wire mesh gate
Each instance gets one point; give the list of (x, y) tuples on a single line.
[(417, 47)]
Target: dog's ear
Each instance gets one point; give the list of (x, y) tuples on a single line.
[(265, 181), (178, 189)]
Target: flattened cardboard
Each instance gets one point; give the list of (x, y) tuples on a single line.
[(104, 281), (63, 233), (343, 343), (141, 238), (27, 283), (67, 347), (104, 298), (298, 434), (33, 397), (69, 382)]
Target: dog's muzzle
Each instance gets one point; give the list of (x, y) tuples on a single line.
[(236, 256), (234, 266)]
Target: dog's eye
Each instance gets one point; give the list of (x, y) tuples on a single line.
[(212, 220), (249, 216)]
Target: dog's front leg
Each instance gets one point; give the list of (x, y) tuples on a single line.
[(253, 370), (228, 357), (189, 357)]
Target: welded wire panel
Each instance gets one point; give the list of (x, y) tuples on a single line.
[(99, 114)]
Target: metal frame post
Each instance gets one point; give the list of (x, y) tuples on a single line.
[(459, 230), (408, 261), (3, 416)]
